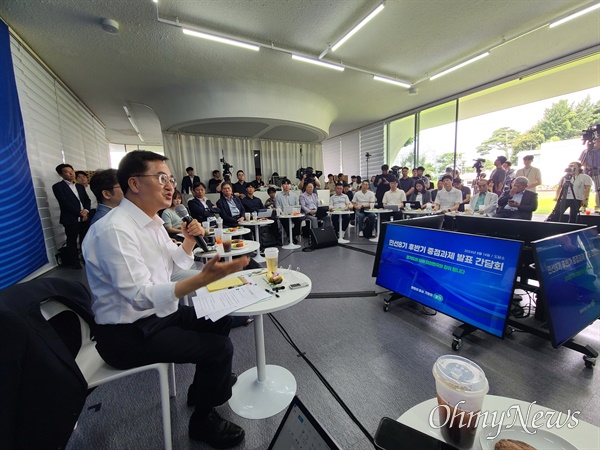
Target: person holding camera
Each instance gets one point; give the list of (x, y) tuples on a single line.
[(309, 178), (575, 182)]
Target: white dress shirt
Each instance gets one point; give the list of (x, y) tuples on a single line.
[(361, 198), (394, 197), (129, 262), (446, 199)]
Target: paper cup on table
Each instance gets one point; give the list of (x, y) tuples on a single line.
[(461, 386), (247, 216)]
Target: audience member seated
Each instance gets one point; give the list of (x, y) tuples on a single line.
[(214, 182), (354, 183), (330, 184), (250, 202), (105, 186), (258, 182), (188, 182), (340, 202), (434, 192), (465, 191), (449, 198), (172, 222), (288, 198), (309, 204), (364, 199), (270, 202), (200, 207), (394, 196), (518, 203), (230, 207), (239, 188), (420, 194), (348, 191), (484, 202)]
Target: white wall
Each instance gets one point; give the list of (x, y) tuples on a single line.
[(58, 128)]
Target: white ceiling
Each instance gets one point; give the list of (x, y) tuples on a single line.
[(194, 85)]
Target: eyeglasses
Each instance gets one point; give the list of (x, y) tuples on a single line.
[(163, 178)]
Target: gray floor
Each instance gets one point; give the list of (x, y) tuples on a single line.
[(379, 363)]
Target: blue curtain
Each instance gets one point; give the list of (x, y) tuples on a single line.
[(22, 249)]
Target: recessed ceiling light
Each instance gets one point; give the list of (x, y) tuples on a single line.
[(110, 26)]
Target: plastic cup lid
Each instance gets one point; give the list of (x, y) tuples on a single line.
[(460, 373), (271, 251)]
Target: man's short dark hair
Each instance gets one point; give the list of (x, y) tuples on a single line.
[(502, 159), (339, 183), (457, 181), (393, 180), (187, 169), (508, 163), (60, 168), (353, 176), (135, 163), (80, 172), (103, 180), (271, 189), (250, 185), (329, 175), (226, 183), (446, 177), (197, 184), (421, 168), (216, 171), (385, 167), (530, 157), (405, 168), (286, 181), (238, 172)]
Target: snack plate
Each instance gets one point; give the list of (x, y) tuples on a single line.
[(542, 439)]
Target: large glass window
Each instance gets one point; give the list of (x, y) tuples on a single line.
[(401, 142), (437, 139)]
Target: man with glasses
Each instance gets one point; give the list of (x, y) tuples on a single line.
[(105, 186), (484, 202), (518, 203), (130, 261)]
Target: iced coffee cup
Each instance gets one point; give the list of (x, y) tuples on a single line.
[(271, 256), (247, 216), (226, 243), (461, 386)]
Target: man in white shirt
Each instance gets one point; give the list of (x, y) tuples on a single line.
[(394, 196), (364, 199), (288, 198), (533, 174), (340, 202), (449, 198), (130, 260), (578, 183)]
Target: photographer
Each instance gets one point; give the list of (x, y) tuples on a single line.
[(308, 177), (575, 182)]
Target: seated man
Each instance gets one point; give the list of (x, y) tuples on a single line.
[(518, 203), (465, 191), (340, 202), (106, 188), (230, 207), (309, 204), (250, 202), (449, 198), (348, 191), (214, 182), (364, 199), (258, 182), (288, 198), (270, 202), (484, 202), (129, 263), (394, 196), (200, 207)]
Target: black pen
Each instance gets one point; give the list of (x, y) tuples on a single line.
[(272, 293)]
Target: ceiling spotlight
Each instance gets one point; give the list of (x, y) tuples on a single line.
[(110, 26)]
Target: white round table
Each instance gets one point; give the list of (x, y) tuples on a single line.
[(265, 390), (412, 213), (257, 224), (378, 212), (249, 247), (237, 231), (340, 213), (583, 436), (291, 245)]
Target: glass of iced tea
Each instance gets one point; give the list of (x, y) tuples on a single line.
[(226, 243)]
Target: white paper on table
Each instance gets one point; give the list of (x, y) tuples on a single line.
[(214, 305)]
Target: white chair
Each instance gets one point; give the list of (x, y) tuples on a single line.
[(97, 372)]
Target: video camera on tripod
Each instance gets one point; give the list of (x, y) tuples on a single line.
[(226, 167), (478, 166), (590, 135)]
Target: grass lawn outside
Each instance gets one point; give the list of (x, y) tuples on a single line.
[(546, 202)]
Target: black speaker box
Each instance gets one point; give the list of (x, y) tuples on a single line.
[(323, 237)]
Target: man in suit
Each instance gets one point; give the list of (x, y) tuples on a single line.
[(74, 209), (484, 202), (200, 207), (518, 203), (230, 206), (188, 182)]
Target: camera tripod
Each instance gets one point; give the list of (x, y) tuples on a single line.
[(561, 202)]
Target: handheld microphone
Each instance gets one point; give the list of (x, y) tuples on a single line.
[(182, 212)]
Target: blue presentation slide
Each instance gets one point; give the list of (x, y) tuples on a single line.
[(464, 276), (569, 265)]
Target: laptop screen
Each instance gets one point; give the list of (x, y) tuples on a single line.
[(299, 429)]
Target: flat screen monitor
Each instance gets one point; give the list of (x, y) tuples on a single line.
[(469, 278), (568, 268), (432, 222)]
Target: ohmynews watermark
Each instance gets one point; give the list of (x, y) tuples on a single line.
[(495, 419)]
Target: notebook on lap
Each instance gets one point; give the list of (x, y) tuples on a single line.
[(299, 430)]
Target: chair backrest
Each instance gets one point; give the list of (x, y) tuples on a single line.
[(88, 360)]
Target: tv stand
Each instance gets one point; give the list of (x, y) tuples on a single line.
[(386, 302)]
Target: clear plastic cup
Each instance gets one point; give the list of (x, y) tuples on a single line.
[(254, 215), (247, 216), (271, 257), (226, 242), (461, 387)]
